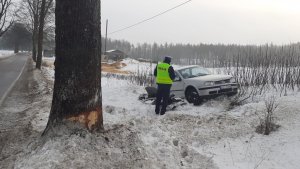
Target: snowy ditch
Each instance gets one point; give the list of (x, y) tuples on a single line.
[(207, 136)]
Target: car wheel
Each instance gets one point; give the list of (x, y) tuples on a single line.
[(192, 96)]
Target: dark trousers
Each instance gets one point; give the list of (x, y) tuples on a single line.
[(163, 93)]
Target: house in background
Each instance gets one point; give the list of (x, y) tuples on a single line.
[(114, 55), (49, 53), (49, 48)]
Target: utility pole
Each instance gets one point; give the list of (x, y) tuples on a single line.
[(105, 37)]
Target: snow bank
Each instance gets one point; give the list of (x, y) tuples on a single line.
[(48, 73), (5, 53), (120, 148)]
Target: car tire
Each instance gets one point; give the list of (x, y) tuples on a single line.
[(192, 96)]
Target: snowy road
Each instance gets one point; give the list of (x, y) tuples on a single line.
[(18, 111), (10, 69)]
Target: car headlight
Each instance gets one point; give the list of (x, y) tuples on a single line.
[(232, 80), (209, 83)]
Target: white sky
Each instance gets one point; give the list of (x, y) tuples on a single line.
[(205, 21)]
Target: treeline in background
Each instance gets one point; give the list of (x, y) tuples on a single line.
[(263, 66)]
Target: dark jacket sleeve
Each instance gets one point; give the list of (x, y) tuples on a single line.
[(171, 73), (155, 71)]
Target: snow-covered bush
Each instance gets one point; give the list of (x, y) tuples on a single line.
[(267, 124)]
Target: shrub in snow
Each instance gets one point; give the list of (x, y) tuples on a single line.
[(244, 93), (267, 124), (141, 78)]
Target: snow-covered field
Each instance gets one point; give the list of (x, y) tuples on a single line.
[(5, 53), (227, 138), (207, 136)]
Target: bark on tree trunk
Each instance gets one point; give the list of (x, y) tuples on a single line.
[(41, 35), (77, 88), (16, 50), (33, 48), (35, 37)]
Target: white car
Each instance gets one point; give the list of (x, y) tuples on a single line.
[(196, 83)]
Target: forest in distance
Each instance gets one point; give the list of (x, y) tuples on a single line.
[(211, 55), (263, 66)]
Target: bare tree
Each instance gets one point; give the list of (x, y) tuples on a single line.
[(5, 22), (30, 13), (45, 6), (17, 37), (34, 6), (77, 88)]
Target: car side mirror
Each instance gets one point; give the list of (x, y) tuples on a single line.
[(177, 79)]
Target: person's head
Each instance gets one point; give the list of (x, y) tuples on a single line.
[(167, 59)]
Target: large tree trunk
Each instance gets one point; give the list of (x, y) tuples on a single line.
[(16, 46), (77, 88), (41, 35), (35, 37), (33, 48)]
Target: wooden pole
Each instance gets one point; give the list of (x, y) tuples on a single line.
[(105, 37)]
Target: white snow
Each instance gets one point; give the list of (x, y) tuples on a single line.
[(134, 66), (206, 136), (5, 53), (48, 72), (279, 150)]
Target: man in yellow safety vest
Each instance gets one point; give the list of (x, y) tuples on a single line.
[(165, 75)]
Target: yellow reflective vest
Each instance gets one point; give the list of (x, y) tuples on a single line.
[(163, 76)]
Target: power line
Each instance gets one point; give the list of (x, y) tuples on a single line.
[(145, 20)]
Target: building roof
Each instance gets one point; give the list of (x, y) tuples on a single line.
[(114, 51)]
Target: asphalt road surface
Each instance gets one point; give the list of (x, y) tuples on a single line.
[(10, 69)]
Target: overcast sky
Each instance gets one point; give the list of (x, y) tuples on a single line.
[(205, 21)]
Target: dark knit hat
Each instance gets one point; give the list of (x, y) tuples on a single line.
[(167, 59)]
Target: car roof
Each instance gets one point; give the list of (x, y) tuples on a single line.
[(185, 67)]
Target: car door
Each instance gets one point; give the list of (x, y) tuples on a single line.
[(178, 86)]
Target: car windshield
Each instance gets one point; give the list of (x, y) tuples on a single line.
[(193, 72)]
